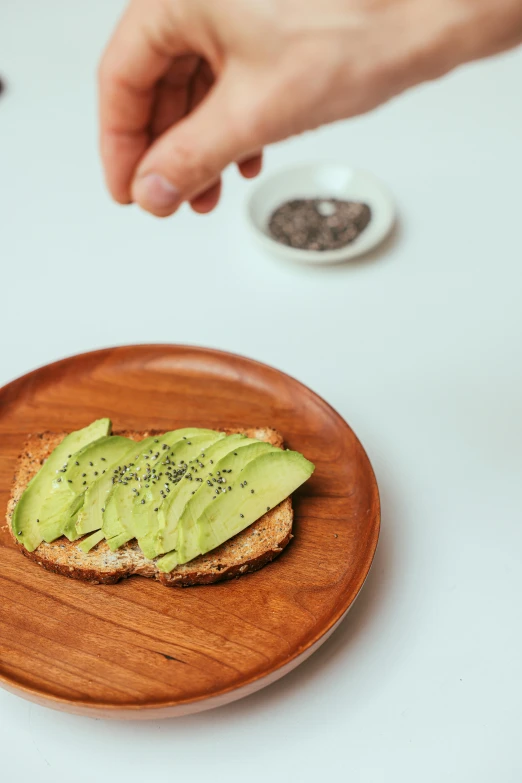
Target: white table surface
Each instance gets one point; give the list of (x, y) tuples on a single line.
[(418, 347)]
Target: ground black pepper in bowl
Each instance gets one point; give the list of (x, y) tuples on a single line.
[(318, 223)]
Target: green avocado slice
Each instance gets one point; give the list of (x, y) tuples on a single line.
[(67, 496), (145, 516), (26, 516), (144, 460), (118, 524), (182, 531), (90, 517), (172, 506), (261, 485), (87, 543)]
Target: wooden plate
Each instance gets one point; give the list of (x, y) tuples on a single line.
[(138, 649)]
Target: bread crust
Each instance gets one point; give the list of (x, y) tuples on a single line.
[(248, 551)]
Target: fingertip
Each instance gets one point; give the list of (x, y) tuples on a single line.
[(251, 168), (120, 156), (208, 200), (156, 194)]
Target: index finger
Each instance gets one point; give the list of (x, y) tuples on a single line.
[(134, 61)]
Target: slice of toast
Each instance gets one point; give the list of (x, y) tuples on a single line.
[(249, 550)]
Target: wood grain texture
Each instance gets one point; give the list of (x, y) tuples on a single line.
[(136, 649)]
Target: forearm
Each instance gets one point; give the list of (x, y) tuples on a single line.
[(465, 30)]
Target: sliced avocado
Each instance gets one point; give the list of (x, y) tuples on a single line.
[(26, 516), (90, 541), (181, 460), (90, 516), (118, 524), (58, 515), (117, 541), (147, 544), (168, 562), (150, 535), (182, 529), (261, 485), (69, 529), (144, 461)]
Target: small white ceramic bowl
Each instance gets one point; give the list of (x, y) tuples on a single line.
[(321, 180)]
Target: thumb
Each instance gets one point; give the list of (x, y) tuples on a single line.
[(189, 157)]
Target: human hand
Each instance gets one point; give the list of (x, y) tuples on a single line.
[(189, 86)]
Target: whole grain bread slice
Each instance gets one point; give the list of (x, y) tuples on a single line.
[(248, 551)]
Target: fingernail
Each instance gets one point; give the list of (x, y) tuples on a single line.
[(155, 192)]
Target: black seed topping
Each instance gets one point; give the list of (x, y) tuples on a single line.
[(70, 481), (230, 489), (103, 459), (242, 516), (155, 509), (103, 509), (268, 508), (76, 463), (211, 461), (142, 502), (84, 482), (90, 463), (95, 472), (251, 491)]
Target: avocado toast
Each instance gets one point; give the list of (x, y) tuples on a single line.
[(185, 507)]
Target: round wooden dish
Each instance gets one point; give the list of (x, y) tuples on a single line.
[(138, 649)]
